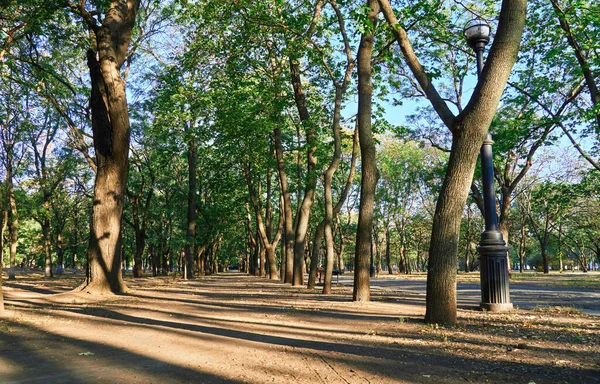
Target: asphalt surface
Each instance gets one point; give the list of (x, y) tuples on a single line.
[(522, 294)]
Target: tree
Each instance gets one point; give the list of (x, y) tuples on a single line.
[(469, 129), (369, 176), (549, 202), (111, 36)]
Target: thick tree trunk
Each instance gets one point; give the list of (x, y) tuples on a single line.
[(288, 231), (270, 250), (469, 129), (441, 277), (111, 132), (191, 210), (545, 262), (262, 261), (361, 291)]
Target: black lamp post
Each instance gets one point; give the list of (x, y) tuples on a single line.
[(495, 295)]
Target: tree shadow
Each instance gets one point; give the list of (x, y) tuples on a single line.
[(58, 361)]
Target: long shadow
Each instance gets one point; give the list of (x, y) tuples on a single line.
[(327, 346), (26, 287), (331, 313), (353, 353), (33, 366), (392, 354), (186, 317)]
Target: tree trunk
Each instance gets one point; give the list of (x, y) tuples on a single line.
[(191, 210), (2, 230), (441, 277), (361, 291), (388, 251), (305, 207), (545, 255), (288, 237), (468, 239), (341, 265), (522, 249), (140, 244), (47, 246), (60, 252), (468, 129), (270, 250), (111, 132), (13, 222), (314, 257)]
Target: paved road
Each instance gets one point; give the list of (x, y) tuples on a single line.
[(523, 294)]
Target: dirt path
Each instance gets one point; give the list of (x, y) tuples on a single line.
[(239, 329)]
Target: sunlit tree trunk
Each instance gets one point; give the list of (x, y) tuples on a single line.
[(305, 206), (468, 129), (361, 291), (288, 236), (191, 210), (111, 132)]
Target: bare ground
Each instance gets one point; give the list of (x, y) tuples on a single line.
[(239, 329)]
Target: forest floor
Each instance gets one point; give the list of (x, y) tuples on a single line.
[(240, 329)]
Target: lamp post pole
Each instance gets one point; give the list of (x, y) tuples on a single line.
[(495, 293)]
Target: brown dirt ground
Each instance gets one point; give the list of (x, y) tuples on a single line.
[(239, 329)]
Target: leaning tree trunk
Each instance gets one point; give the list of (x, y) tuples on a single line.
[(361, 291), (441, 284), (111, 132), (469, 129)]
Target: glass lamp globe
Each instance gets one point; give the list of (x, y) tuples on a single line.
[(477, 33)]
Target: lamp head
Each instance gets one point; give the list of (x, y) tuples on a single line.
[(477, 33)]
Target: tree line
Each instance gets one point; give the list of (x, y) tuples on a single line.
[(187, 137)]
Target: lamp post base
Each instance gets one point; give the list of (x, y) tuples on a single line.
[(496, 307), (495, 293)]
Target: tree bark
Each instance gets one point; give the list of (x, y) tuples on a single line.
[(111, 132), (361, 290)]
